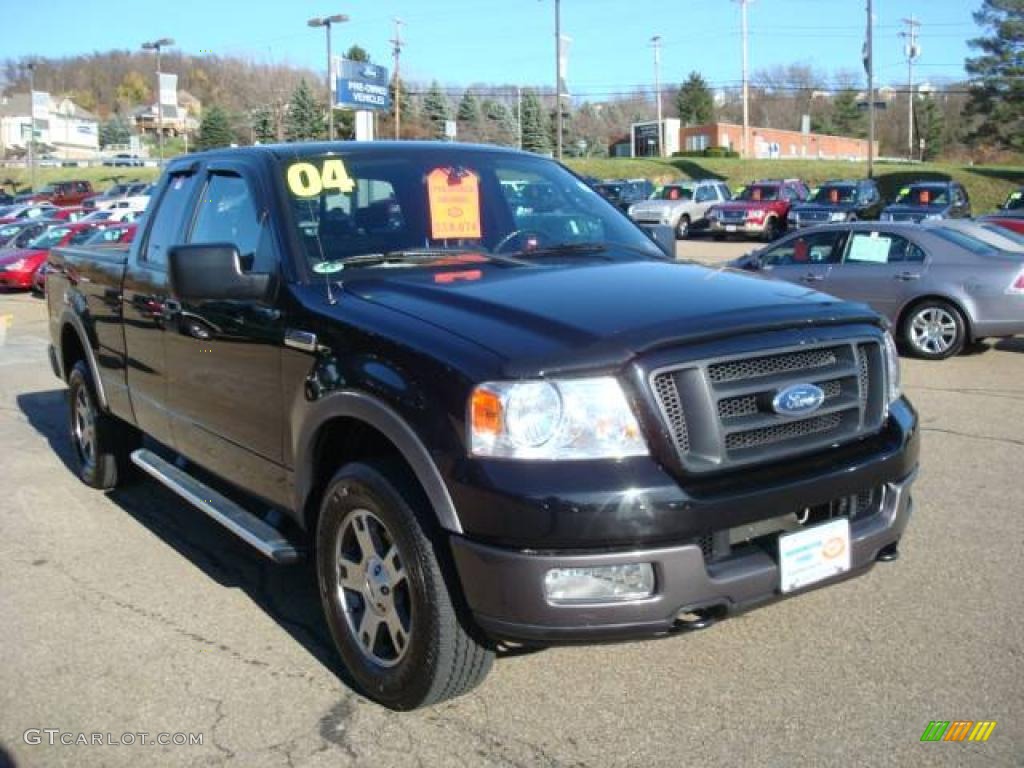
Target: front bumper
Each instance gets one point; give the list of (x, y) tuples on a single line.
[(745, 227), (505, 592), (16, 279)]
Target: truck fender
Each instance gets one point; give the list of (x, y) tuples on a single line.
[(383, 418), (69, 318)]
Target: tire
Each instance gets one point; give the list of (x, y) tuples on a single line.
[(683, 227), (771, 230), (933, 330), (421, 651), (102, 443)]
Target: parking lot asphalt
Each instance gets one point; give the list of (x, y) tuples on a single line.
[(131, 612)]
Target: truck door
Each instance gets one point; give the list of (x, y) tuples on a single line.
[(224, 357), (147, 307)]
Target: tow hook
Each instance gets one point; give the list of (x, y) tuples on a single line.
[(691, 621), (889, 553)]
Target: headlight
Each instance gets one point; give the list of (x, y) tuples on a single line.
[(16, 266), (756, 213), (886, 217), (553, 420), (631, 211), (892, 370), (933, 216), (837, 216)]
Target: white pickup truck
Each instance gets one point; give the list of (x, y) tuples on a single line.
[(681, 205)]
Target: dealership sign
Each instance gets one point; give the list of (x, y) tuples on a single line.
[(361, 85)]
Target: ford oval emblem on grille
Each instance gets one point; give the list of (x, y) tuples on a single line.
[(798, 400)]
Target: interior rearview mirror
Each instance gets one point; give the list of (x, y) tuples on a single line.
[(213, 272)]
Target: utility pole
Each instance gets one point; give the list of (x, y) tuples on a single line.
[(656, 42), (157, 45), (746, 84), (869, 65), (326, 23), (32, 125), (912, 51), (396, 52), (558, 76)]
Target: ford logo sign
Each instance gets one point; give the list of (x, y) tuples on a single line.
[(798, 400)]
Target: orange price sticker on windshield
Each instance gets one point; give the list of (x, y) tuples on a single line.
[(454, 197)]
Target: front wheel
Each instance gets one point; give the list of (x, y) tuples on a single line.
[(394, 620), (683, 227), (934, 330)]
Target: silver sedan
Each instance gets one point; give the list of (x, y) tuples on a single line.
[(942, 287)]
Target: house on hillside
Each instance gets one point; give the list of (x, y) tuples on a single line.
[(68, 131), (177, 120)]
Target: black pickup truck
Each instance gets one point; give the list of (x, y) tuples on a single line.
[(489, 422)]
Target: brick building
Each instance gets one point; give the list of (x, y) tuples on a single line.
[(773, 142)]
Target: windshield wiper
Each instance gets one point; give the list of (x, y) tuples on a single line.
[(413, 256), (586, 248)]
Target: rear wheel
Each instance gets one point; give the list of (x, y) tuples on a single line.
[(102, 443), (683, 227), (934, 330), (382, 584)]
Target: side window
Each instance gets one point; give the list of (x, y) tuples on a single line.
[(879, 248), (788, 194), (704, 194), (227, 214), (724, 193), (168, 219), (814, 248)]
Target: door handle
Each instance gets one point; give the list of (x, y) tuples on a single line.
[(906, 276), (810, 277)]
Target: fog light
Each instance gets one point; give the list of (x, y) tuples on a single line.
[(633, 581)]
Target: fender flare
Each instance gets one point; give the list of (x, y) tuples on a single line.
[(383, 418), (68, 317)]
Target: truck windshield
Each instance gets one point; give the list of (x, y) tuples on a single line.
[(924, 195), (757, 193), (351, 204), (836, 194), (676, 193)]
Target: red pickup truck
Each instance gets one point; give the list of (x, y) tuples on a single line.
[(761, 209), (64, 193)]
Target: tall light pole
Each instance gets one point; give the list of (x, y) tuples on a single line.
[(558, 76), (656, 42), (32, 125), (397, 53), (913, 51), (326, 22), (157, 45), (869, 66), (746, 84)]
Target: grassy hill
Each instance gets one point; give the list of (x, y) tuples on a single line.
[(987, 186)]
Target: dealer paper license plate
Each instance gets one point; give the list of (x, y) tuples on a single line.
[(814, 554)]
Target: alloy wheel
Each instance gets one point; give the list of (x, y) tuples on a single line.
[(83, 426), (373, 588), (933, 330)]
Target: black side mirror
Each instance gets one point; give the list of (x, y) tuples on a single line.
[(212, 272)]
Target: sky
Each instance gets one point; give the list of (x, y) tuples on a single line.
[(461, 42)]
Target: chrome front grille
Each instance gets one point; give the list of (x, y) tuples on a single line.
[(719, 413), (732, 216), (814, 215)]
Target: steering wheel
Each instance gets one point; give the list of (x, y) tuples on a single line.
[(523, 234)]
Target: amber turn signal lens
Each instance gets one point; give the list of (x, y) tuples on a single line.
[(486, 412)]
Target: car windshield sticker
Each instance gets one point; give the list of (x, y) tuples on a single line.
[(1016, 195), (904, 192), (870, 248), (307, 180), (328, 267), (755, 193), (833, 195), (454, 199)]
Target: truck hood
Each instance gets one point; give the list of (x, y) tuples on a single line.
[(917, 210), (823, 207), (659, 206), (548, 318), (747, 205)]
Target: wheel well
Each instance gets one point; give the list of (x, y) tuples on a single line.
[(343, 440), (969, 333), (71, 349)]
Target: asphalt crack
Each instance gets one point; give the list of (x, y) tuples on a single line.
[(989, 438)]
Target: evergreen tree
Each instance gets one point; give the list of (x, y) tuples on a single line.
[(499, 123), (469, 110), (263, 126), (305, 118), (435, 109), (357, 53), (114, 131), (214, 129), (929, 127), (847, 119), (536, 137), (694, 101), (997, 90)]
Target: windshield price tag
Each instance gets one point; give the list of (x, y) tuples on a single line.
[(454, 198), (306, 180)]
